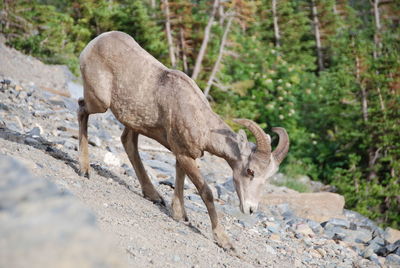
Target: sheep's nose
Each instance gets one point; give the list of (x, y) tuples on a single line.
[(251, 211)]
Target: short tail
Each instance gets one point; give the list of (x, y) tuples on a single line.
[(81, 102)]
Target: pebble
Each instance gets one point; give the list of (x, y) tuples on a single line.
[(315, 253), (270, 249), (275, 237), (176, 258), (304, 229), (321, 251), (95, 141), (307, 242), (35, 132), (111, 159)]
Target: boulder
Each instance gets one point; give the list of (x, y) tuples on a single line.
[(392, 235), (318, 207), (42, 226), (392, 261)]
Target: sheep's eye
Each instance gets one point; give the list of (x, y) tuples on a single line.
[(250, 172)]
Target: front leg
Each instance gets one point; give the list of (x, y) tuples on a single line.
[(189, 166)]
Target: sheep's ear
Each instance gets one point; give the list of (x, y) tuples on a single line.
[(243, 143)]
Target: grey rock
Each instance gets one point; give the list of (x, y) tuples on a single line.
[(377, 241), (13, 126), (31, 141), (391, 235), (128, 170), (393, 247), (56, 101), (336, 222), (371, 248), (195, 198), (104, 135), (162, 167), (70, 145), (34, 132), (273, 229), (5, 83), (392, 260), (22, 95), (143, 155), (361, 235), (4, 107), (169, 182), (378, 232), (95, 141), (374, 258), (70, 104), (61, 128), (112, 149), (269, 249), (43, 113), (37, 217), (294, 222), (229, 186), (315, 226), (360, 220), (176, 258), (195, 207), (222, 192), (285, 210), (75, 89)]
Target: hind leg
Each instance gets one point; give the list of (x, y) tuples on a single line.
[(97, 99), (83, 117), (178, 206), (129, 139)]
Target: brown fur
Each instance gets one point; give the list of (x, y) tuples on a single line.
[(166, 105)]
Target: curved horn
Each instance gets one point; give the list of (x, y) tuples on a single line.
[(262, 141), (283, 146)]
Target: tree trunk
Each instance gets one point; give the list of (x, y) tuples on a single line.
[(317, 36), (169, 34), (377, 29), (153, 4), (372, 153), (334, 7), (220, 54), (364, 102), (378, 45), (276, 25), (200, 56), (183, 48), (221, 14)]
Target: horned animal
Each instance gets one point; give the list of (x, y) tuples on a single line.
[(166, 105)]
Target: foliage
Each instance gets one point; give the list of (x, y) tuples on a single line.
[(343, 121)]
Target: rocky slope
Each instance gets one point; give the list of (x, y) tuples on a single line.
[(38, 129)]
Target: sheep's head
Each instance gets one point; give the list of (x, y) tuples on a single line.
[(257, 164)]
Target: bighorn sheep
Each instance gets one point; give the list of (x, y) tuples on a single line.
[(167, 105)]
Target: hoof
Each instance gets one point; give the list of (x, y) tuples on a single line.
[(159, 202), (222, 240), (183, 217), (84, 174), (154, 196), (178, 212), (156, 199)]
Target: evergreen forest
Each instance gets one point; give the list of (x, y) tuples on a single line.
[(326, 70)]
